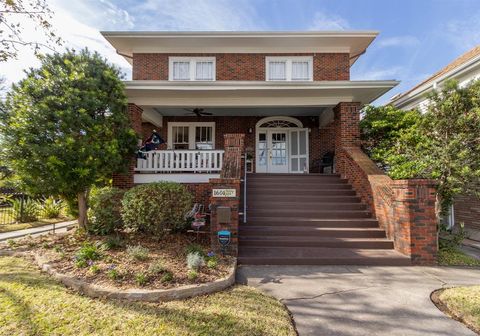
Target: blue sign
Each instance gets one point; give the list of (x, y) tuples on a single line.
[(224, 237)]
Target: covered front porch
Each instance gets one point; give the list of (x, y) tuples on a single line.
[(287, 127), (194, 146)]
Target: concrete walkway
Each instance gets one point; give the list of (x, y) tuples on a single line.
[(45, 229), (361, 300)]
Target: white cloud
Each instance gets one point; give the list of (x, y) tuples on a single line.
[(398, 41), (465, 33), (323, 21), (79, 22), (195, 15)]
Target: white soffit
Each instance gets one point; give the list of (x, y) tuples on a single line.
[(152, 116), (129, 42), (230, 93)]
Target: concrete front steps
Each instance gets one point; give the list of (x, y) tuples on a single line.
[(310, 220)]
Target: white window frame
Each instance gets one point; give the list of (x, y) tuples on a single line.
[(288, 71), (191, 132), (193, 67)]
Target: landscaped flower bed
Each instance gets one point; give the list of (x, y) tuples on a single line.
[(131, 260)]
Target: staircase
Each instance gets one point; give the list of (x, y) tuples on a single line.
[(310, 220)]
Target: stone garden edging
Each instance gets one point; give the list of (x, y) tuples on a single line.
[(134, 294)]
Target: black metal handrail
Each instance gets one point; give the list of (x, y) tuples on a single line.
[(245, 189)]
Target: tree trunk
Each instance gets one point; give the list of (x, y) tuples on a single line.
[(82, 210)]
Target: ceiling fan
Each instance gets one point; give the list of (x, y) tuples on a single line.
[(198, 112)]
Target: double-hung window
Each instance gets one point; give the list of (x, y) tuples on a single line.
[(194, 135), (289, 68), (191, 68)]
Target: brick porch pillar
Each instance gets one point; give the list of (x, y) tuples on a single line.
[(125, 180), (415, 220), (229, 179), (347, 131)]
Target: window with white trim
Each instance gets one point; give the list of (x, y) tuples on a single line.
[(289, 68), (194, 135), (191, 68)]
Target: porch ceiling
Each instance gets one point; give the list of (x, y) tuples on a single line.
[(254, 94), (247, 111)]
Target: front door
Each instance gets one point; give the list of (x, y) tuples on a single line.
[(278, 152), (281, 146), (272, 151)]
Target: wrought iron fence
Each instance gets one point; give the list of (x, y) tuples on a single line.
[(11, 207)]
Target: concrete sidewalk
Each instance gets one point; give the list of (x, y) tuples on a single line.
[(45, 229), (361, 300)]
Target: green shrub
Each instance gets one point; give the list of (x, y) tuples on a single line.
[(70, 209), (167, 277), (104, 213), (51, 208), (156, 268), (113, 273), (25, 210), (141, 279), (192, 275), (192, 248), (194, 261), (88, 252), (113, 242), (212, 263), (156, 208), (94, 269), (138, 252)]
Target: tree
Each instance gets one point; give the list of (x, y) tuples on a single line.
[(442, 144), (65, 127), (451, 129), (381, 128), (13, 15)]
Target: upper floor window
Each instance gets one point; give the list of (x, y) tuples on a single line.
[(191, 68), (289, 68)]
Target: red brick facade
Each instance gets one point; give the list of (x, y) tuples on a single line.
[(242, 67)]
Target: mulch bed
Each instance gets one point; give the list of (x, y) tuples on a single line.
[(169, 251), (435, 298)]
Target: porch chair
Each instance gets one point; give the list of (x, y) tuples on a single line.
[(327, 162)]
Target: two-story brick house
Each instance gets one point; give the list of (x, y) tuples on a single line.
[(283, 100)]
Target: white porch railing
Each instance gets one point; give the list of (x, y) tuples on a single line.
[(192, 161)]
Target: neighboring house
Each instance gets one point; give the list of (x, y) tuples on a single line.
[(464, 69), (285, 101)]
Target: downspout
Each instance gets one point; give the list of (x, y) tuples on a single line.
[(452, 216)]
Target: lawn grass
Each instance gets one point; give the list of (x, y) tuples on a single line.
[(21, 226), (31, 303), (463, 303), (454, 257)]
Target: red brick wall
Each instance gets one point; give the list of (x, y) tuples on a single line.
[(405, 209), (467, 211), (321, 140), (201, 192), (347, 130), (233, 203), (242, 67)]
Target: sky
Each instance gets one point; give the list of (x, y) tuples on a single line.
[(417, 37)]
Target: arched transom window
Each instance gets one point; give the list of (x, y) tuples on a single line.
[(279, 122)]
